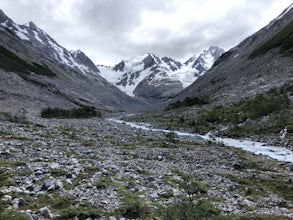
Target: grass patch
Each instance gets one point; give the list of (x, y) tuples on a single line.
[(189, 211), (81, 213), (260, 185), (103, 182)]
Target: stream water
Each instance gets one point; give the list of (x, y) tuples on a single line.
[(258, 148)]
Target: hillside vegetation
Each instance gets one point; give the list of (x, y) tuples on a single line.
[(283, 39), (13, 63)]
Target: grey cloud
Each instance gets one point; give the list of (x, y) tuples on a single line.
[(101, 27)]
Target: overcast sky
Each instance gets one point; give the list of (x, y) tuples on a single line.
[(109, 31)]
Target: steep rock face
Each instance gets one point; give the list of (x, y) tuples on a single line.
[(205, 59), (159, 79), (82, 58), (74, 79), (257, 64)]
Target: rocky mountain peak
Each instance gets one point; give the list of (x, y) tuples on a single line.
[(82, 58), (150, 60), (32, 25), (173, 64), (120, 66), (205, 59), (3, 17)]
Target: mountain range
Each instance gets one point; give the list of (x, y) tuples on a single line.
[(50, 75), (38, 72), (260, 62), (158, 79)]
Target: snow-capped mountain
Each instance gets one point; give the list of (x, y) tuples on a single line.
[(145, 76), (73, 78), (46, 46), (205, 59), (152, 77)]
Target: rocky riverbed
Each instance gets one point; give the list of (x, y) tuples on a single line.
[(96, 168)]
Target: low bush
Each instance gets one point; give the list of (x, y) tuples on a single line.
[(189, 101), (187, 211), (82, 112)]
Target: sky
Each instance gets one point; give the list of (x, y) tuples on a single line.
[(109, 31)]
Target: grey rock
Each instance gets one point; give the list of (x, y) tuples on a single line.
[(17, 202), (49, 184), (7, 199), (46, 212)]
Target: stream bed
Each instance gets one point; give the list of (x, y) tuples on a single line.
[(258, 148)]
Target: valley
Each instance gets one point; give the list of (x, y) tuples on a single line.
[(150, 137), (99, 168)]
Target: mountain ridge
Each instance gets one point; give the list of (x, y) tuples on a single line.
[(76, 79), (236, 74), (152, 77)]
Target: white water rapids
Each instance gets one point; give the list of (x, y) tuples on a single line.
[(258, 148)]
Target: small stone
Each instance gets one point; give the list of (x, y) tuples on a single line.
[(70, 176), (239, 167), (7, 198), (54, 165), (166, 194), (160, 157), (49, 184), (35, 217), (45, 212), (69, 181), (149, 179)]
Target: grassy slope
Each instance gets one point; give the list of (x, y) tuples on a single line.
[(12, 63), (283, 39)]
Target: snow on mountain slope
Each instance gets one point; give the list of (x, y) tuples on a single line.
[(67, 79), (162, 74), (32, 34)]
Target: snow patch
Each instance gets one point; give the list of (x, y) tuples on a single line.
[(38, 38), (285, 12), (236, 55)]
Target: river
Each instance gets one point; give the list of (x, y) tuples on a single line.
[(258, 148)]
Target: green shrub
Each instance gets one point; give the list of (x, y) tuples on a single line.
[(275, 104), (81, 213), (189, 101), (103, 182), (82, 112), (188, 211)]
